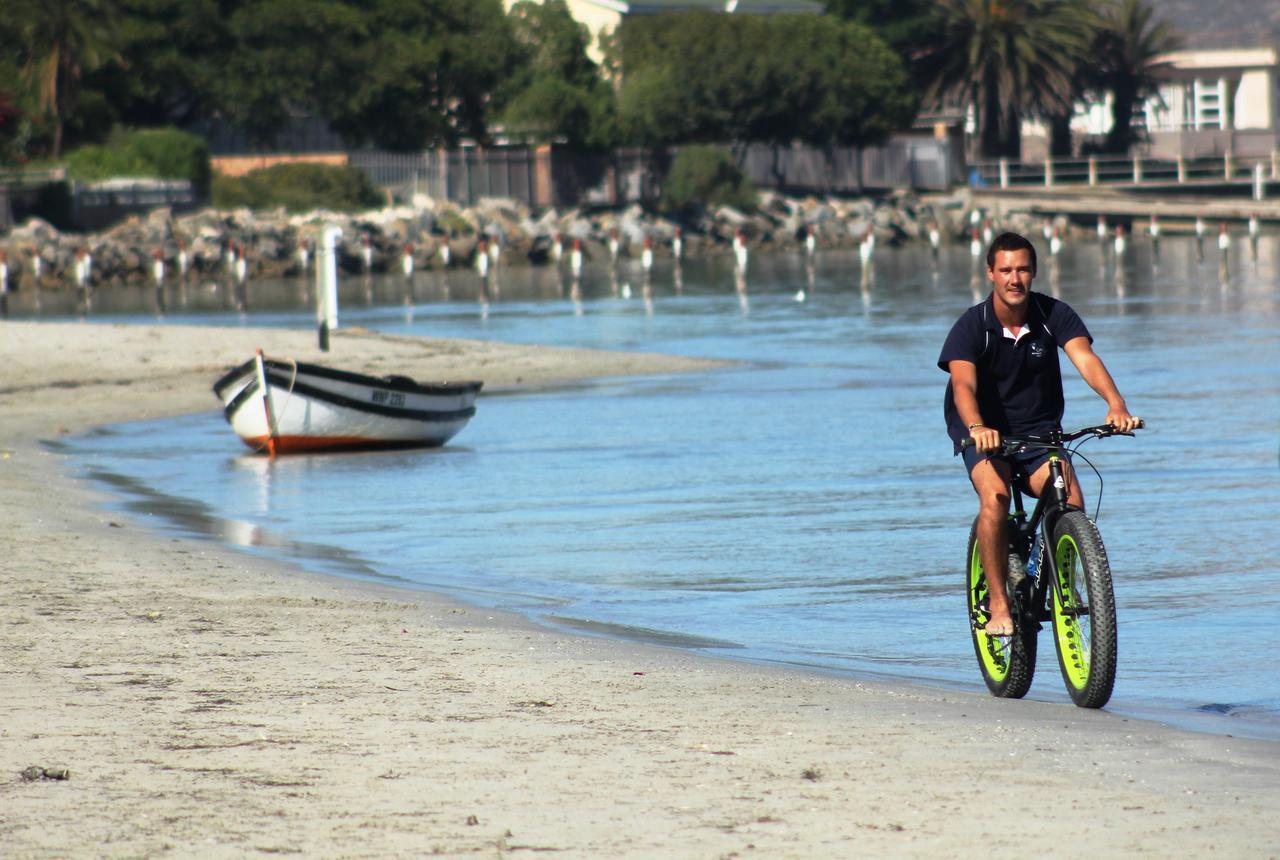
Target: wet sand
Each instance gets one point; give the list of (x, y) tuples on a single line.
[(209, 703)]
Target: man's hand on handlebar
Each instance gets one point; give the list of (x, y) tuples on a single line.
[(985, 439), (1122, 421)]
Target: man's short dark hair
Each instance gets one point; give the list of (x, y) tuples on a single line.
[(1011, 242)]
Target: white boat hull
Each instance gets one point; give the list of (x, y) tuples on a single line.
[(308, 407)]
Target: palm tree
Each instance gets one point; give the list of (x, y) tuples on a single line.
[(61, 39), (1129, 44), (1004, 58)]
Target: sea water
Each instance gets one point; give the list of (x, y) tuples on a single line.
[(800, 506)]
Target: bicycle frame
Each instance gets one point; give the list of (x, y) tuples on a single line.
[(1050, 507)]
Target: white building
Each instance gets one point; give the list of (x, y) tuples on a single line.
[(603, 17), (1216, 101), (1212, 102)]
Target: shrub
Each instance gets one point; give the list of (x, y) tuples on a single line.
[(702, 176), (454, 224), (161, 153), (298, 187)]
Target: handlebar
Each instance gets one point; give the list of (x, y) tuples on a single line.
[(1057, 439)]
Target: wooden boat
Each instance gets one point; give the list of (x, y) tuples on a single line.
[(285, 407)]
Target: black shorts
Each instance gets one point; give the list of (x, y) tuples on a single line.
[(1024, 464)]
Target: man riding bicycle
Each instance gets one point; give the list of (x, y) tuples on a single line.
[(1005, 379)]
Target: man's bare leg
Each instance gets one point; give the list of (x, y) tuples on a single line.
[(1038, 482), (991, 482)]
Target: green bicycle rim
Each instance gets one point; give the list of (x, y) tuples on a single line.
[(1072, 636), (993, 653)]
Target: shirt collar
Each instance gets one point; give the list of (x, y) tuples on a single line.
[(990, 321)]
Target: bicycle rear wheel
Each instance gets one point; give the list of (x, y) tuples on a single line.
[(1084, 611), (1008, 664)]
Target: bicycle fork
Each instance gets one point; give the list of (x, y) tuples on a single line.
[(1048, 555)]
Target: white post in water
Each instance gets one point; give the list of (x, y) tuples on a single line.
[(575, 260), (1259, 186), (327, 284), (4, 284)]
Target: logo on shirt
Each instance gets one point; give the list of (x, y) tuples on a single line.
[(1037, 349)]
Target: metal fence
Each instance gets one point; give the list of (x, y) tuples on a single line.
[(556, 176), (462, 175), (909, 163)]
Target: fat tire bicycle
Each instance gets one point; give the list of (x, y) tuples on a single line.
[(1058, 575)]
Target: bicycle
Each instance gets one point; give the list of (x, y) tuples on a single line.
[(1070, 587)]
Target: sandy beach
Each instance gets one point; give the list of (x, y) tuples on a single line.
[(175, 697)]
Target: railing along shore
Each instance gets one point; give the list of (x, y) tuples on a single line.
[(1131, 172)]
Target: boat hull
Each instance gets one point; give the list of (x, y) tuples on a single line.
[(309, 407)]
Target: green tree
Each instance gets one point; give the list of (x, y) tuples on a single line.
[(13, 127), (172, 55), (287, 54), (425, 73), (839, 85), (707, 78), (403, 74), (1005, 58), (556, 91), (1129, 43), (905, 25), (688, 78), (58, 41)]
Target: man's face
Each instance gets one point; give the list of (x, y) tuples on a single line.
[(1011, 275)]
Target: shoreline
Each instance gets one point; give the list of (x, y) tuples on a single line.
[(210, 701), (323, 561)]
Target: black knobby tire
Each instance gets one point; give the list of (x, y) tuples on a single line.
[(1008, 664), (1084, 620)]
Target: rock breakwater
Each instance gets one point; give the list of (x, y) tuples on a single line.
[(220, 245)]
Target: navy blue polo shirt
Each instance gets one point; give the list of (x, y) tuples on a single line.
[(1019, 384)]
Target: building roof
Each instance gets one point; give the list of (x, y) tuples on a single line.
[(1224, 23)]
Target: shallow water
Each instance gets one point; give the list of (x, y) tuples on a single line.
[(802, 507)]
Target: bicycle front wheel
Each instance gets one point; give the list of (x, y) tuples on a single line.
[(1084, 611), (1008, 663)]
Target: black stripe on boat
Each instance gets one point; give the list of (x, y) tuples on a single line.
[(303, 390), (389, 383)]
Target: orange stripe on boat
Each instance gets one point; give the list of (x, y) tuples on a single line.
[(302, 444)]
